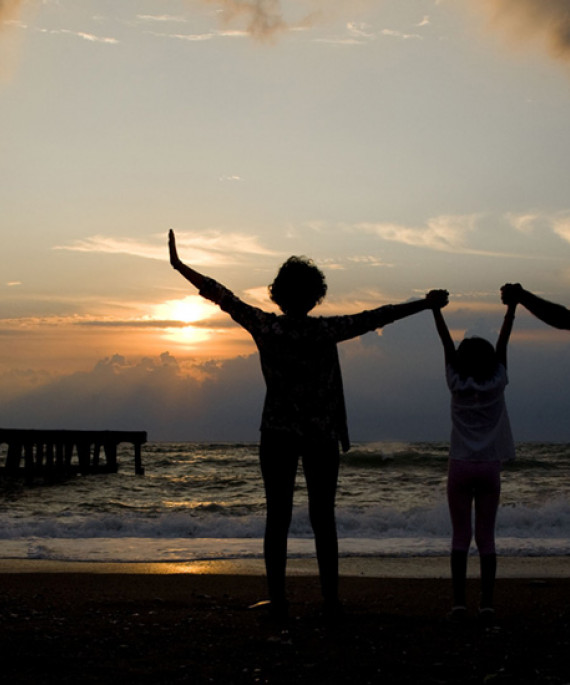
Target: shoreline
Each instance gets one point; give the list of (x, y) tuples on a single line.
[(364, 567)]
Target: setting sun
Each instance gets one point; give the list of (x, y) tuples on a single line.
[(188, 310)]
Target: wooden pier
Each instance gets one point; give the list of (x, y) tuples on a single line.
[(54, 454)]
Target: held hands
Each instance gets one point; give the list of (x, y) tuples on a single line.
[(437, 299), (511, 293)]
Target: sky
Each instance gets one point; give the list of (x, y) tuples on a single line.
[(402, 145)]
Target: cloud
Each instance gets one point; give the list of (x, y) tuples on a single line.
[(190, 37), (524, 223), (204, 248), (216, 323), (231, 179), (562, 228), (549, 19), (85, 36), (443, 233), (394, 382), (360, 30), (531, 222), (211, 401), (400, 34), (9, 10), (110, 245), (162, 18), (262, 19), (522, 19)]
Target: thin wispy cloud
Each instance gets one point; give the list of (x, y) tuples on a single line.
[(360, 30), (532, 222), (392, 33), (221, 246), (562, 228), (462, 234), (83, 35), (443, 233), (213, 247), (525, 223), (359, 33), (162, 18), (109, 245), (190, 37)]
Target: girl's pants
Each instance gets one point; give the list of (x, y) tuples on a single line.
[(479, 483)]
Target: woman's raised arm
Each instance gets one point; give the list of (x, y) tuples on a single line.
[(197, 279)]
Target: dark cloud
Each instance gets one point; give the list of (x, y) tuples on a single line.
[(215, 322), (524, 18), (223, 401), (394, 383)]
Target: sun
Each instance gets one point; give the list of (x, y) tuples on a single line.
[(189, 310)]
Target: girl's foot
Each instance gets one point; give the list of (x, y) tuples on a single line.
[(487, 615)]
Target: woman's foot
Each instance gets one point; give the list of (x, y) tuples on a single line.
[(458, 614)]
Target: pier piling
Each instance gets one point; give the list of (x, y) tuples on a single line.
[(50, 453)]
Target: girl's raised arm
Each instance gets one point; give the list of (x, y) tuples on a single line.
[(448, 345), (505, 334)]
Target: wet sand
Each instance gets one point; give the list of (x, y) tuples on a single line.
[(191, 623)]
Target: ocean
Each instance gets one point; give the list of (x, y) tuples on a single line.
[(201, 501)]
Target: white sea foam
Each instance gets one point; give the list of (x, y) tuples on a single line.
[(418, 530), (151, 550)]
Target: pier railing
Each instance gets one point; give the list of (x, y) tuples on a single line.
[(52, 454)]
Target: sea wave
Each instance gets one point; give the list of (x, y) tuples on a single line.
[(180, 550), (549, 521)]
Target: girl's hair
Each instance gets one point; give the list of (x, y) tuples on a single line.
[(298, 286), (477, 359)]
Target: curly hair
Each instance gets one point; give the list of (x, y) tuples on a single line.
[(299, 286)]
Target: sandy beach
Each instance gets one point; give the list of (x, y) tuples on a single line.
[(192, 623)]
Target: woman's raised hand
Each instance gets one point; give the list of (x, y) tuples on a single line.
[(437, 299), (174, 259)]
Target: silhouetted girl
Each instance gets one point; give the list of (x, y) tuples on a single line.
[(304, 413), (481, 440)]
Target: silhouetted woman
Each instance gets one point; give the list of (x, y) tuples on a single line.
[(304, 412), (481, 441)]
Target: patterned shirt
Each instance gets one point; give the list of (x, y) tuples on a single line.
[(300, 365)]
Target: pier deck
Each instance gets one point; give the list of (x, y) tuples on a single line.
[(53, 454)]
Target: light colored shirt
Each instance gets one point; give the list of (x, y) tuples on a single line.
[(480, 426)]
